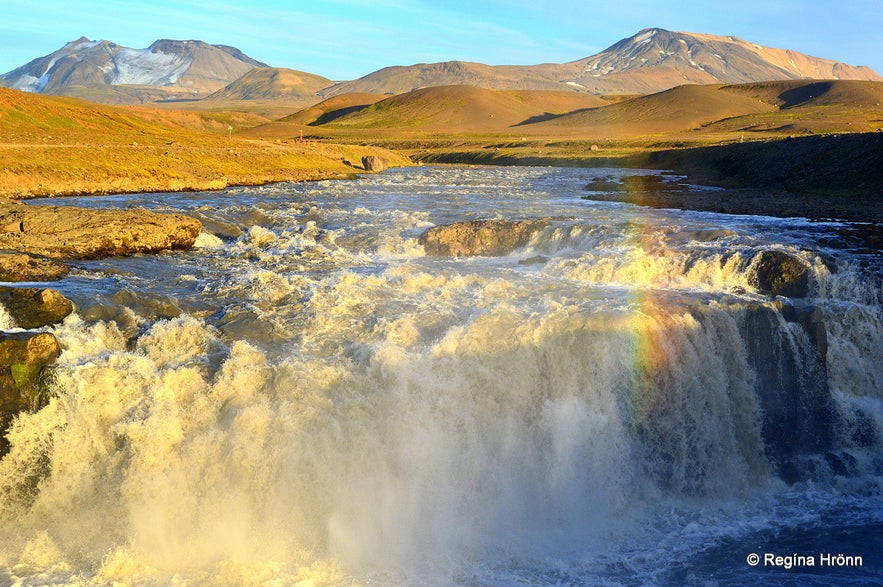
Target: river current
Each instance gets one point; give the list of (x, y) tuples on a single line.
[(306, 398)]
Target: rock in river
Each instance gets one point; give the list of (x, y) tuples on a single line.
[(61, 232), (776, 273), (479, 237), (32, 307)]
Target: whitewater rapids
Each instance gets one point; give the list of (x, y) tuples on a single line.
[(307, 398)]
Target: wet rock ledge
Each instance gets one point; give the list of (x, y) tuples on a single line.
[(24, 355), (35, 240)]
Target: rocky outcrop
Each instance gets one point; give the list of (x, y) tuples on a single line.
[(23, 359), (479, 237), (21, 266), (62, 232), (32, 307), (374, 163), (777, 273)]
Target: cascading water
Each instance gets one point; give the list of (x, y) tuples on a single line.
[(306, 398)]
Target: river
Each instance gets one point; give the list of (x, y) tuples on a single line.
[(306, 398)]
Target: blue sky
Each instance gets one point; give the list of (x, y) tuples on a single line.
[(346, 39)]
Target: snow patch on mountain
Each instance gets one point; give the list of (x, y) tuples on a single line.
[(143, 66)]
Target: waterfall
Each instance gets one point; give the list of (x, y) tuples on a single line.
[(334, 404)]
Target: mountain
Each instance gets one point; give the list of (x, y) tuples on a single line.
[(401, 79), (107, 72), (657, 59), (272, 83), (650, 61)]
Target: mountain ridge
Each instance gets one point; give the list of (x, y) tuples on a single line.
[(82, 68), (650, 61)]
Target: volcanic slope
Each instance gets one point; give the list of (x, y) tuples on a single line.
[(463, 109), (273, 83), (650, 61)]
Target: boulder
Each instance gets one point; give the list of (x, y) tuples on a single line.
[(776, 273), (22, 266), (61, 232), (32, 307), (479, 237), (374, 163), (23, 359)]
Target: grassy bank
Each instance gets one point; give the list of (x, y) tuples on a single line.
[(58, 146)]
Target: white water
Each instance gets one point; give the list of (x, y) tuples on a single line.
[(307, 399)]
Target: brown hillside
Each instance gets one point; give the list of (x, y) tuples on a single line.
[(793, 93), (332, 108), (681, 108), (403, 79), (464, 108), (52, 146), (266, 83), (809, 107), (295, 125)]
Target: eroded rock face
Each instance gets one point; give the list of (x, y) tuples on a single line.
[(23, 358), (777, 273), (60, 232), (32, 307), (479, 237)]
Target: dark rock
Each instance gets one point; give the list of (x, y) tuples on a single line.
[(791, 383), (21, 266), (374, 163), (777, 273), (23, 359), (811, 318), (479, 237), (32, 307)]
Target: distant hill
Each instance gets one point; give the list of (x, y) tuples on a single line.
[(650, 61), (680, 108), (401, 79), (107, 72), (463, 107), (779, 107), (273, 83)]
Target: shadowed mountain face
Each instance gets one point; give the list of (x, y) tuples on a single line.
[(107, 72), (650, 61)]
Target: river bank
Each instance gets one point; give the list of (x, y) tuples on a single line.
[(817, 177)]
